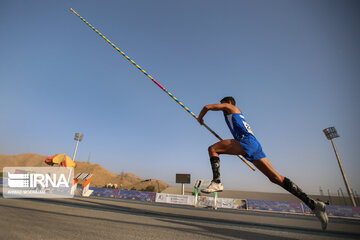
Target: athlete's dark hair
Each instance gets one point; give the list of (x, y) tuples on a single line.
[(227, 99)]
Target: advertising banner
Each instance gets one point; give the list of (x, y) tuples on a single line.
[(104, 192), (174, 199), (205, 202), (136, 195), (230, 203), (275, 206), (240, 204)]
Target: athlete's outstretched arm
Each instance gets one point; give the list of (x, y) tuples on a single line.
[(225, 107)]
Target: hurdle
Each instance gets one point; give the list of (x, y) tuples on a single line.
[(86, 192), (202, 183)]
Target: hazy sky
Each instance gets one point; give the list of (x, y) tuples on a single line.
[(292, 66)]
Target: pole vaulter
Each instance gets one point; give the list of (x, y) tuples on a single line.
[(158, 84)]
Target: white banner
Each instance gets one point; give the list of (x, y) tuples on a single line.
[(230, 203), (174, 199), (225, 203)]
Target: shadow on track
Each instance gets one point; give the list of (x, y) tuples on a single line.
[(221, 233), (179, 218)]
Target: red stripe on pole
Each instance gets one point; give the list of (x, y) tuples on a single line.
[(159, 84)]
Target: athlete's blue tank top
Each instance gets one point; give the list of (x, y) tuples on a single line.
[(241, 131), (238, 125)]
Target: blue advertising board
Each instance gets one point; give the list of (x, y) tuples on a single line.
[(137, 195), (274, 206), (104, 192)]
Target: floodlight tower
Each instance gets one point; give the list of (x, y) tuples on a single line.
[(330, 134), (78, 137)]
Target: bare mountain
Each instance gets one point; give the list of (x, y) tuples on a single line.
[(100, 178)]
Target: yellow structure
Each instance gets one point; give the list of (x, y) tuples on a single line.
[(60, 159)]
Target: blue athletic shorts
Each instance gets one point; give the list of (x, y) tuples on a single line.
[(252, 147)]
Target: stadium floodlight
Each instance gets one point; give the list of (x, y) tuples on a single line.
[(330, 134), (78, 137)]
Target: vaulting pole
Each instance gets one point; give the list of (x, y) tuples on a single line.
[(157, 83)]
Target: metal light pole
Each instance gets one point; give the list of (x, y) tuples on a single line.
[(330, 202), (342, 194), (78, 137), (330, 134)]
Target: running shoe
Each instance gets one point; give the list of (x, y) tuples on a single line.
[(320, 212), (213, 187)]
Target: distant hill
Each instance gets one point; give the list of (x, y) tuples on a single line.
[(100, 178)]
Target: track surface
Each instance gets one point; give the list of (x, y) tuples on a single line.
[(96, 218)]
